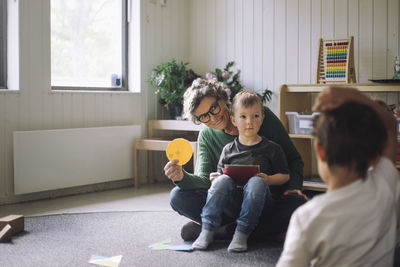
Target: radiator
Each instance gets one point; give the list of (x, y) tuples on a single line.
[(54, 159)]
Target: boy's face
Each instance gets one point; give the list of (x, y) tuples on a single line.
[(248, 120)]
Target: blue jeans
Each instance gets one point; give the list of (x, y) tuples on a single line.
[(274, 219), (245, 204)]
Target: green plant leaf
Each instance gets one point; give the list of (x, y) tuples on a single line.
[(170, 80)]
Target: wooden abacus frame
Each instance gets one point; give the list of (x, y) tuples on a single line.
[(336, 61)]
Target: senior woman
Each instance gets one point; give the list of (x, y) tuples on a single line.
[(206, 101)]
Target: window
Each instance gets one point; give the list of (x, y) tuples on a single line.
[(3, 44), (88, 44)]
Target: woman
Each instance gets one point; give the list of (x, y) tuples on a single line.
[(206, 101)]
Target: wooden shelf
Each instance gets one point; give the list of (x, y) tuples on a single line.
[(307, 185), (300, 97), (301, 136), (364, 87)]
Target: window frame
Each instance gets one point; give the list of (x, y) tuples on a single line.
[(3, 44), (124, 56)]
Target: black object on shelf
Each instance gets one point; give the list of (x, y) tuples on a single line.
[(385, 81)]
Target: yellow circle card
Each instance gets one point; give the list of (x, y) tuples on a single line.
[(179, 149)]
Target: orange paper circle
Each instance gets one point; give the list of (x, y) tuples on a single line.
[(179, 149)]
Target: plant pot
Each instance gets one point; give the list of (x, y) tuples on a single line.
[(175, 111)]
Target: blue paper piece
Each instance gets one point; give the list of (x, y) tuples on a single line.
[(97, 257), (183, 247)]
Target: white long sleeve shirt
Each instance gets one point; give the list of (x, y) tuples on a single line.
[(351, 226)]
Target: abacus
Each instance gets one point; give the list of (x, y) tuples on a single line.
[(336, 61)]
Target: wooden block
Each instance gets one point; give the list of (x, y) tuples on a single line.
[(15, 221), (5, 234)]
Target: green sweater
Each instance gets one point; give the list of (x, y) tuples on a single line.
[(210, 145)]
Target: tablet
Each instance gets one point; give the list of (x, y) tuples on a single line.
[(241, 173)]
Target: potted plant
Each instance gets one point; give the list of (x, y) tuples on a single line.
[(171, 80), (231, 80)]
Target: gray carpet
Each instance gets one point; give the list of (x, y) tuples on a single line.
[(71, 239)]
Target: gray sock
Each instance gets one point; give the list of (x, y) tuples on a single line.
[(238, 243), (205, 238)]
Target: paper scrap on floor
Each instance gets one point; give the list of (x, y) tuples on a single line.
[(113, 261), (161, 245), (165, 244)]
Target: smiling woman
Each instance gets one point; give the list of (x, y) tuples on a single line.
[(215, 109), (201, 103)]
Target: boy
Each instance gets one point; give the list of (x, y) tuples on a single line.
[(354, 223), (245, 204)]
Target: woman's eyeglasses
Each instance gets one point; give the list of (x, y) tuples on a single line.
[(215, 109)]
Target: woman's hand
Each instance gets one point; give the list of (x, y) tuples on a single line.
[(214, 175), (173, 171)]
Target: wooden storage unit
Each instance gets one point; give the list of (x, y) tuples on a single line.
[(300, 98)]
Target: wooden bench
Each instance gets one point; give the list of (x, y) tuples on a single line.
[(153, 143)]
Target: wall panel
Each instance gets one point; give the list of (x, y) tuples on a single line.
[(268, 34), (238, 34), (365, 40), (304, 35), (292, 42), (230, 29), (258, 44), (341, 17), (393, 39), (354, 31), (380, 38), (287, 51), (220, 33), (316, 34), (3, 144)]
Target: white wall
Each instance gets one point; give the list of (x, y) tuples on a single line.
[(34, 107), (275, 42)]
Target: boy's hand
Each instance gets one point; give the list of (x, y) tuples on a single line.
[(214, 175), (264, 176), (173, 171)]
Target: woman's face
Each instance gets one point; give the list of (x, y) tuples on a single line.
[(213, 113)]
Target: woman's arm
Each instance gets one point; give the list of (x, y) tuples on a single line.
[(273, 129), (275, 179)]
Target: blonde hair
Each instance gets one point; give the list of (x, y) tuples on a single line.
[(246, 99)]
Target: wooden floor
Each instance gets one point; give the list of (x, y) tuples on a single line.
[(149, 197)]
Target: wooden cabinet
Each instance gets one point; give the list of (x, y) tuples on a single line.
[(300, 98)]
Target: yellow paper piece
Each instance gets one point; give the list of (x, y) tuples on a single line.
[(179, 149), (161, 245), (106, 261)]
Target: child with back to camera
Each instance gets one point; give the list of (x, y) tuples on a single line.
[(244, 203), (355, 223)]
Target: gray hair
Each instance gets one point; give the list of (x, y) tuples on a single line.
[(201, 88)]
